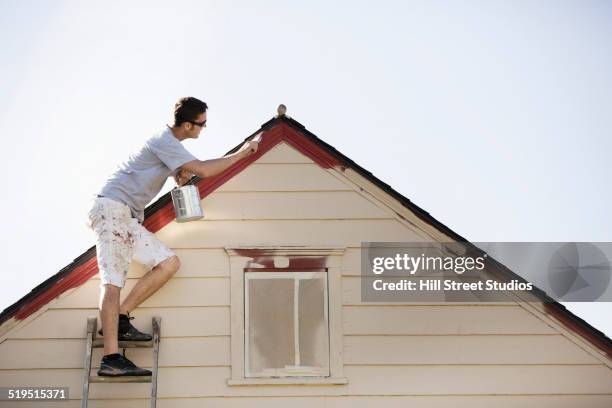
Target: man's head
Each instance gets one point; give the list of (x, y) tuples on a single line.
[(190, 116)]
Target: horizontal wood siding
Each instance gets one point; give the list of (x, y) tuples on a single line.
[(68, 353), (284, 177), (357, 320), (463, 349), (181, 382), (217, 234), (431, 319), (358, 350), (283, 153), (317, 205), (176, 322)]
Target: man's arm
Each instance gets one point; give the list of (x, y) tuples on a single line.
[(209, 168)]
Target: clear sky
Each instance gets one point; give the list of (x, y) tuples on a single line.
[(494, 116)]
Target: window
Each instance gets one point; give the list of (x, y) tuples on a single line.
[(285, 310), (286, 325)]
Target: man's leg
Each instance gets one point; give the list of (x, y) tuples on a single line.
[(149, 284), (113, 364), (114, 249), (109, 314)]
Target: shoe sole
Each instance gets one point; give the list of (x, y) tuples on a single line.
[(124, 374), (124, 339)]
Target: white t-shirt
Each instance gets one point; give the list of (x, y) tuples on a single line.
[(143, 175)]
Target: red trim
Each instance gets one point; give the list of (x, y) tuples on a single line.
[(263, 259), (309, 148), (571, 324), (74, 279)]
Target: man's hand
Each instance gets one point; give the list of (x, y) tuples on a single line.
[(182, 177), (248, 148)]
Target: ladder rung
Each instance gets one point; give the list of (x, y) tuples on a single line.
[(121, 379), (99, 342)]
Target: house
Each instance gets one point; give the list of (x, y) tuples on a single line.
[(279, 248)]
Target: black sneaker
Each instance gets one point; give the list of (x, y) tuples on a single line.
[(120, 366), (127, 332)]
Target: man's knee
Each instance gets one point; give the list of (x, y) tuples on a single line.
[(109, 297), (171, 265), (110, 290)]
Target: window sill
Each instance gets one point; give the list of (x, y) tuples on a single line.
[(288, 381)]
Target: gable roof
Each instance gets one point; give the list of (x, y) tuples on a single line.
[(280, 129)]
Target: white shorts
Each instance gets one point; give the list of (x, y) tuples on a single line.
[(121, 238)]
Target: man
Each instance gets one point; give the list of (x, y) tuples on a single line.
[(117, 215)]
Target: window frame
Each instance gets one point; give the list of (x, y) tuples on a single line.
[(239, 264)]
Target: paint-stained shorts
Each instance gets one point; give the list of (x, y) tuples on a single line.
[(120, 238)]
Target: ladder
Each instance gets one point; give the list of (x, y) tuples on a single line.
[(93, 342)]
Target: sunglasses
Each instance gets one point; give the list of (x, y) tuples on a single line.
[(200, 124)]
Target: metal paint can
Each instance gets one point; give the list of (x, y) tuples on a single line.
[(186, 201)]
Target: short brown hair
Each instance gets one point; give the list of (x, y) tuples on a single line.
[(188, 109)]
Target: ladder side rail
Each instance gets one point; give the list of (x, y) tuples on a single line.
[(156, 335), (91, 330)]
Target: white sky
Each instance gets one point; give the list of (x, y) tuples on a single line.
[(494, 116)]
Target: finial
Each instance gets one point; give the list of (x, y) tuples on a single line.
[(281, 110)]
